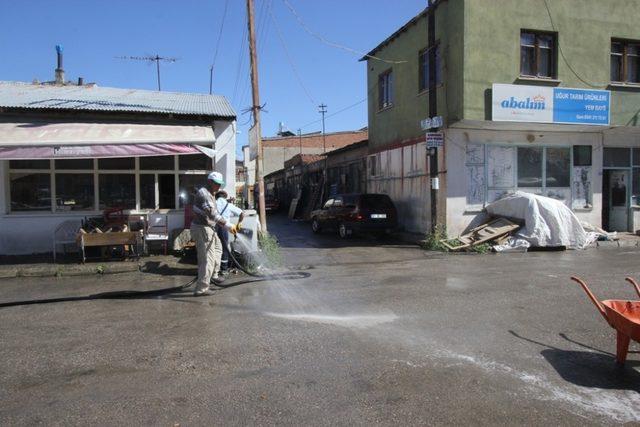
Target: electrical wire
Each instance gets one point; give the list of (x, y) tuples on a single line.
[(290, 59), (333, 44), (241, 57), (262, 30), (564, 58), (224, 16)]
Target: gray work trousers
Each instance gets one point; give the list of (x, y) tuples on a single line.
[(209, 250)]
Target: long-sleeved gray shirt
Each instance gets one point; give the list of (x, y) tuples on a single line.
[(205, 209)]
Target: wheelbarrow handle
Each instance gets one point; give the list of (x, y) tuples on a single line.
[(592, 297), (634, 283)]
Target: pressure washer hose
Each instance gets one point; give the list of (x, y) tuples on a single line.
[(163, 291)]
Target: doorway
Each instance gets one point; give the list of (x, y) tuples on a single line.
[(615, 199)]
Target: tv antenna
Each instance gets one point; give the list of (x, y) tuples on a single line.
[(157, 58)]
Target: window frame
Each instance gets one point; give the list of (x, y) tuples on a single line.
[(386, 90), (423, 74), (624, 56), (52, 171), (542, 189), (553, 57)]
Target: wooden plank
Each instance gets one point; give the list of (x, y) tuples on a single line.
[(493, 230), (110, 239)]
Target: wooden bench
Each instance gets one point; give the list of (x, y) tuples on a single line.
[(130, 239)]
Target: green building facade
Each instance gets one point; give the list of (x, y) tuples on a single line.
[(495, 60)]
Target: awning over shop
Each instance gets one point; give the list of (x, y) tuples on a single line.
[(97, 140)]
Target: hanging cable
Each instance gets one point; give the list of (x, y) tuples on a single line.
[(333, 44), (290, 59), (564, 58), (224, 16)]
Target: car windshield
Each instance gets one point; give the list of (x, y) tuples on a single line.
[(376, 201)]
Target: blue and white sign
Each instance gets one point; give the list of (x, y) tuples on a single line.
[(517, 103)]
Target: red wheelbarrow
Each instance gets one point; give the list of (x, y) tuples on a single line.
[(622, 315)]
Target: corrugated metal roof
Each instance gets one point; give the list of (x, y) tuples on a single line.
[(96, 98)]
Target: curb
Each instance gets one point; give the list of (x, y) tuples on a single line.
[(70, 270)]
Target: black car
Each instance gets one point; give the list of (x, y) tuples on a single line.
[(349, 213)]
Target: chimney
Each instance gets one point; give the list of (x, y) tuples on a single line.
[(80, 81), (59, 70)]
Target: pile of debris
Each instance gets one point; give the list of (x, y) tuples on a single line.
[(522, 220)]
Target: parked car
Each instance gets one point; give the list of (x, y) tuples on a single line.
[(355, 213), (271, 204)]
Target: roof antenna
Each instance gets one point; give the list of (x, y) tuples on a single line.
[(150, 59)]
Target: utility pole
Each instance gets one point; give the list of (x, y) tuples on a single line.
[(300, 136), (253, 56), (433, 108), (322, 108)]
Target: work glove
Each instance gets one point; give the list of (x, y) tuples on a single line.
[(232, 228)]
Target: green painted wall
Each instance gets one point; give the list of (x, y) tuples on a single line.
[(402, 121), (480, 45), (585, 29)]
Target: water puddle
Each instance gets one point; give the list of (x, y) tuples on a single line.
[(348, 321)]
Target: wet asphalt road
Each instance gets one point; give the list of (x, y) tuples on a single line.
[(378, 334)]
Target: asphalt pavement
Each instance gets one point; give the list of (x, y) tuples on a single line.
[(379, 333)]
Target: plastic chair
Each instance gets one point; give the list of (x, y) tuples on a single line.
[(65, 233)]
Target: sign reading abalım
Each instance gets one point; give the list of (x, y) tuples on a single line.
[(518, 103)]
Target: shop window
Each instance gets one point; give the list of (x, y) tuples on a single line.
[(557, 171), (29, 164), (529, 167), (582, 155), (616, 157), (117, 163), (188, 185), (167, 191), (147, 191), (636, 156), (154, 163), (30, 191), (385, 89), (625, 61), (423, 69), (537, 54), (76, 164), (74, 192), (198, 162), (117, 191)]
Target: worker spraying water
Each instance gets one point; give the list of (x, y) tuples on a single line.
[(208, 244)]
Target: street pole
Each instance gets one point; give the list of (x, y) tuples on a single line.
[(433, 108), (253, 56), (323, 109)]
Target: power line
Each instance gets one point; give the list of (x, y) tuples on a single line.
[(241, 57), (333, 44), (289, 58), (262, 34), (546, 5), (334, 114), (215, 54)]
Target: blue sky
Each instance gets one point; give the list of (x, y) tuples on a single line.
[(94, 33)]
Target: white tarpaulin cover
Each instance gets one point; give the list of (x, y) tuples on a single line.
[(547, 222)]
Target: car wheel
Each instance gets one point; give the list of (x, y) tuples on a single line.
[(343, 231), (315, 225)]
